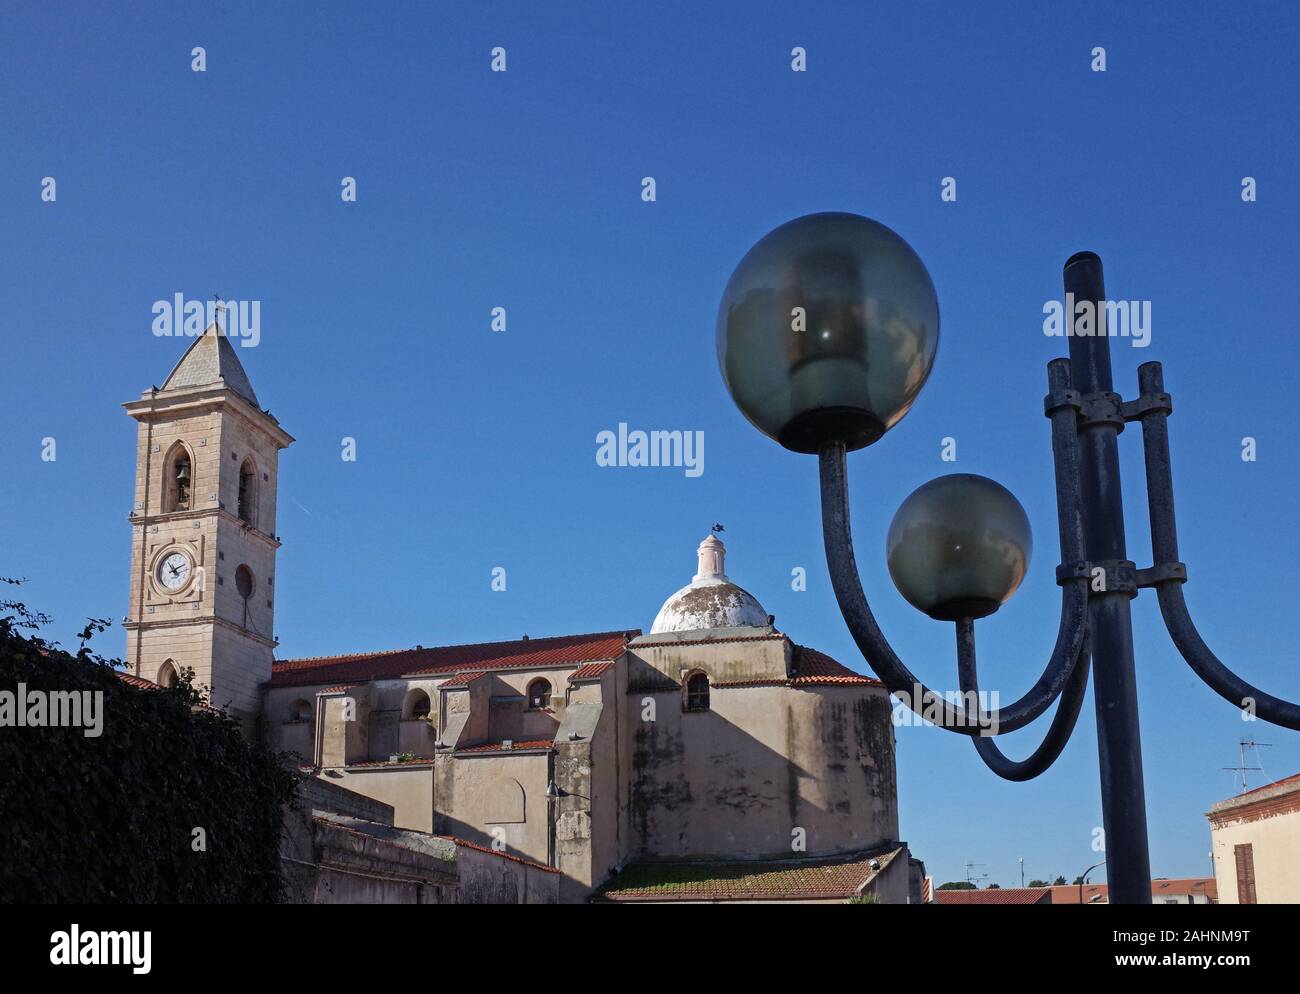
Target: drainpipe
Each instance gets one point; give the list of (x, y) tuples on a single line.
[(552, 795)]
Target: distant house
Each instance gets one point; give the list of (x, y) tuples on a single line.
[(1183, 890), (1187, 890), (996, 895), (1256, 844)]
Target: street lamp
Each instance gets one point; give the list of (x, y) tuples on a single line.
[(826, 333), (1084, 879)]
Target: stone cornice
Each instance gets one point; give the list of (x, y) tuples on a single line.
[(207, 512), (167, 405), (202, 619)]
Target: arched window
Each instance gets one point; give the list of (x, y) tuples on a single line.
[(247, 503), (301, 711), (178, 479), (167, 675), (539, 694), (417, 705), (697, 692), (244, 586)]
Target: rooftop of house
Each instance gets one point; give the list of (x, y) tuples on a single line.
[(995, 895), (1073, 894), (1269, 792), (814, 879)]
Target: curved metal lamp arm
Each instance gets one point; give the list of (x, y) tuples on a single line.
[(900, 681), (1169, 573), (1058, 733)]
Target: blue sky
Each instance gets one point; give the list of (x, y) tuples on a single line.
[(522, 190)]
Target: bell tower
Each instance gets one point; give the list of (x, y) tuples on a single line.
[(203, 538)]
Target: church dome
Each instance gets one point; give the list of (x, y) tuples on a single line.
[(710, 600)]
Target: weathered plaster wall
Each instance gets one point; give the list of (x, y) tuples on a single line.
[(408, 787), (736, 781), (1275, 850), (480, 797), (489, 879)]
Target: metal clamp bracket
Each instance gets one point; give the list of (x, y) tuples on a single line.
[(1103, 408), (1153, 576), (1106, 407), (1148, 403), (1119, 576), (1072, 571), (1057, 399)]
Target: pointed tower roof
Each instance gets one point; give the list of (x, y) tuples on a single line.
[(209, 360)]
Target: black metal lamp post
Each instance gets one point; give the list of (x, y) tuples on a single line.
[(827, 332), (1083, 879)]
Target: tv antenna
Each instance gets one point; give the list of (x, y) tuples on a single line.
[(971, 879), (1242, 768)]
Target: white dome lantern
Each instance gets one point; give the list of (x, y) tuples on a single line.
[(710, 600)]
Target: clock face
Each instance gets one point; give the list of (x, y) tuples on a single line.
[(174, 570)]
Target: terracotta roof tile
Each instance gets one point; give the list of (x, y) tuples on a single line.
[(996, 895), (515, 746), (461, 680), (1100, 893), (591, 671), (136, 681), (563, 650), (337, 690), (1186, 885), (492, 852), (414, 761), (813, 668), (826, 878)]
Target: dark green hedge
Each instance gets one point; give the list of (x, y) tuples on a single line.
[(112, 819)]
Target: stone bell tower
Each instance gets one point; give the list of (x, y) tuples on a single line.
[(203, 528)]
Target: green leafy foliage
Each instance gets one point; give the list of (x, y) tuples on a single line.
[(115, 818)]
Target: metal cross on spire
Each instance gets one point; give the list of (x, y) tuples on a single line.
[(220, 308)]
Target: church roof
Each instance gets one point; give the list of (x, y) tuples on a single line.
[(817, 879), (211, 359), (561, 650), (810, 668), (592, 671)]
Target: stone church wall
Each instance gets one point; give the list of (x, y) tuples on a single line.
[(764, 768)]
